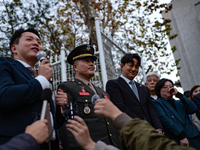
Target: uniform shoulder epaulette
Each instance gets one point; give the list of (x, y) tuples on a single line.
[(67, 82)]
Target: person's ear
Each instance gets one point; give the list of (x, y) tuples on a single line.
[(121, 65), (13, 49), (75, 67)]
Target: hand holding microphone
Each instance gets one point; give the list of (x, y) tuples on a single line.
[(38, 130), (95, 97), (106, 108), (45, 66)]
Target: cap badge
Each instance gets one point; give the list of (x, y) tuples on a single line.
[(88, 48)]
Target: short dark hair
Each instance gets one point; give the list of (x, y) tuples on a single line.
[(192, 90), (18, 33), (129, 58), (160, 84)]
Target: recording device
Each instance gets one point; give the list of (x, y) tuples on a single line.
[(94, 98), (72, 108), (70, 111), (45, 97), (41, 56)]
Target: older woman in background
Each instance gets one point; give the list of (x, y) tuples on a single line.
[(173, 114)]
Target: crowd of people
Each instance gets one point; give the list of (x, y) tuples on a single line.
[(128, 115)]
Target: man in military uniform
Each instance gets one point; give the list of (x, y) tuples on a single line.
[(79, 92)]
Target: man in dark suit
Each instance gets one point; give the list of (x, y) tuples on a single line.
[(131, 97), (79, 92), (20, 86)]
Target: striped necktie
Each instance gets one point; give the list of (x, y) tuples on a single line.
[(32, 71)]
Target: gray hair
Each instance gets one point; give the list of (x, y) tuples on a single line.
[(152, 74)]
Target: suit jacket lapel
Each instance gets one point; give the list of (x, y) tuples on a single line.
[(87, 88), (22, 69), (171, 108), (124, 83)]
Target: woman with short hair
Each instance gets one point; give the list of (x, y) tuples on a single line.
[(173, 114)]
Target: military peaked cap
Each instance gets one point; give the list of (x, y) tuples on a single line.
[(80, 52)]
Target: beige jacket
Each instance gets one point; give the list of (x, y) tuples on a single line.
[(196, 122)]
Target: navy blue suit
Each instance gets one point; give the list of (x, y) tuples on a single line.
[(124, 98), (20, 103)]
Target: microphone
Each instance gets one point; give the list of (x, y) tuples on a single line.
[(94, 98), (41, 55), (45, 97)]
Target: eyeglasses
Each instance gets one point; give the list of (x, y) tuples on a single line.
[(167, 87)]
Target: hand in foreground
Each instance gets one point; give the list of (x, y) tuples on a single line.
[(106, 108), (159, 132), (45, 69), (184, 142), (38, 130), (81, 133), (61, 98)]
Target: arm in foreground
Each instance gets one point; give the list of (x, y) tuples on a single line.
[(81, 133), (135, 133), (34, 135)]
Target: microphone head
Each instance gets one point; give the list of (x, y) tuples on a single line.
[(41, 55), (46, 94), (94, 98)]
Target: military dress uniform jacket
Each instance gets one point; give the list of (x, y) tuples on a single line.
[(99, 127)]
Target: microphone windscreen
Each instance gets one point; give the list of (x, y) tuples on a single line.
[(94, 98), (46, 94), (41, 55)]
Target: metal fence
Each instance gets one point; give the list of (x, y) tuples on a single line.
[(107, 64)]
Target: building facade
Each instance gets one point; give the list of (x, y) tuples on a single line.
[(185, 21)]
